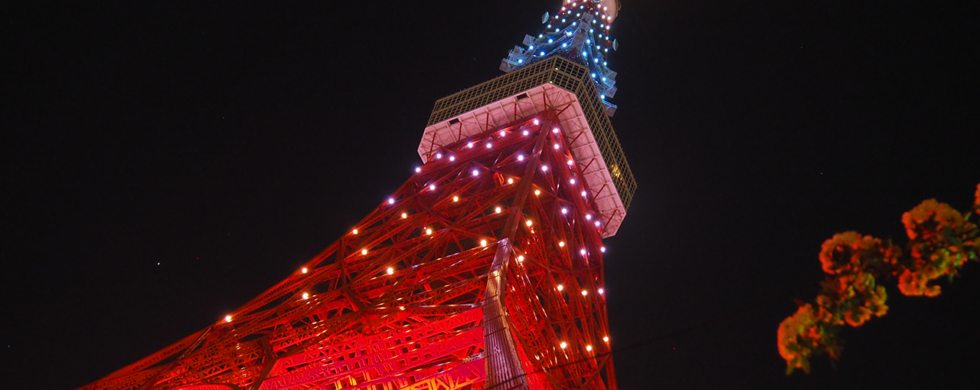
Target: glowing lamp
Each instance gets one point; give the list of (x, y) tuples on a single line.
[(529, 223), (536, 122), (354, 231), (582, 252), (602, 292), (588, 348), (306, 295), (483, 242), (432, 186), (428, 231), (455, 199), (438, 156), (585, 292), (544, 167), (476, 172), (497, 210), (564, 211), (563, 345), (363, 251), (520, 258), (537, 192), (304, 270), (606, 339), (390, 271), (391, 200), (561, 244), (603, 249), (404, 215), (561, 287), (418, 169), (228, 318)]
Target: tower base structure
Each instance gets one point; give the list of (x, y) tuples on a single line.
[(483, 270)]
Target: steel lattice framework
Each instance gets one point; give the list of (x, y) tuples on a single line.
[(483, 270)]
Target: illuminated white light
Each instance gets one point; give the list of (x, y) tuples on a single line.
[(510, 181), (582, 252), (561, 244), (455, 199), (529, 223), (536, 122), (483, 242), (525, 132), (497, 210), (520, 60), (428, 231), (452, 158), (537, 192), (588, 217), (583, 194), (603, 249), (390, 270), (418, 169), (603, 97), (597, 223), (544, 168), (469, 145), (602, 291), (570, 162), (555, 130), (550, 40), (520, 157), (561, 287), (489, 145), (404, 215), (432, 186), (571, 181), (593, 75), (588, 348), (564, 211), (306, 295), (556, 146), (563, 345), (228, 318), (363, 251), (564, 45), (531, 47), (520, 258), (606, 339), (588, 41), (304, 270), (503, 133), (584, 54), (391, 200), (585, 293), (542, 52), (476, 172)]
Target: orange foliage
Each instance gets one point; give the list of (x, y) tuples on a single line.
[(941, 240)]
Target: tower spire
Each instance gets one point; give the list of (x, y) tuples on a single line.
[(580, 31)]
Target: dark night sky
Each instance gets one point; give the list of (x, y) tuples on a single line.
[(163, 164)]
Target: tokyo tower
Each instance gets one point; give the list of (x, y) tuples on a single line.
[(484, 270)]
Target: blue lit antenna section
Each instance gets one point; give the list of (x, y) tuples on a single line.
[(579, 31)]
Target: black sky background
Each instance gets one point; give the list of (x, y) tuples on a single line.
[(164, 163)]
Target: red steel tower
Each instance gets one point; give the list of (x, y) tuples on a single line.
[(484, 270)]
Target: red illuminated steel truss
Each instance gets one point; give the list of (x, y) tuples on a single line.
[(484, 270)]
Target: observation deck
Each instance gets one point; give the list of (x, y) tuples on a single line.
[(553, 84)]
